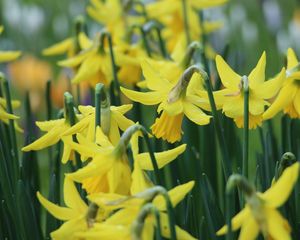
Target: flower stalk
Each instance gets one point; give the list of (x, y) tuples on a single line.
[(245, 84)]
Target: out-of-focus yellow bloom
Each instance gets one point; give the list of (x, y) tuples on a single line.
[(131, 208), (69, 46), (31, 74), (114, 120), (95, 64), (231, 98), (175, 95), (7, 56), (74, 214), (170, 13), (288, 98), (260, 213)]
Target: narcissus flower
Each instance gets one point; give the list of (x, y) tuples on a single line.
[(112, 118), (175, 95), (288, 98), (7, 56), (131, 207), (260, 213), (95, 63), (5, 116), (231, 98), (109, 169), (74, 214)]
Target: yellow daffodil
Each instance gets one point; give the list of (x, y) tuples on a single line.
[(231, 98), (109, 169), (170, 13), (288, 98), (95, 64), (74, 214), (113, 120), (130, 208), (260, 213), (55, 132), (7, 56), (69, 46), (5, 116), (176, 96)]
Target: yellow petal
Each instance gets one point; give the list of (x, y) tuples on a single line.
[(162, 158), (208, 3), (74, 61), (176, 194), (122, 121), (284, 98), (48, 125), (84, 41), (102, 139), (292, 60), (66, 153), (229, 78), (271, 87), (234, 106), (72, 197), (256, 106), (140, 180), (297, 102), (153, 78), (280, 190), (195, 114), (98, 166), (249, 230), (59, 48), (278, 228), (146, 98), (257, 75), (68, 229), (180, 233), (172, 109), (58, 212), (8, 56), (46, 140), (236, 221), (121, 109), (85, 148), (90, 66)]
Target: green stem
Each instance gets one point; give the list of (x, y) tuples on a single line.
[(49, 114), (229, 204), (218, 126), (171, 216), (116, 84), (186, 22), (144, 37), (124, 141), (246, 125), (12, 130), (98, 92), (71, 117)]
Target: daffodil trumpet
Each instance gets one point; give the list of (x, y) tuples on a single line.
[(138, 224), (116, 85)]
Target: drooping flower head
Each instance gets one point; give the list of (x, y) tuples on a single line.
[(260, 213)]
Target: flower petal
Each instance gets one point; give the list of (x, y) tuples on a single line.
[(280, 190), (249, 230), (278, 227), (8, 56), (58, 212), (236, 221), (284, 98), (229, 78), (58, 48), (176, 194), (257, 75), (146, 98), (68, 229), (292, 60), (297, 102), (162, 158), (72, 197), (195, 114)]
